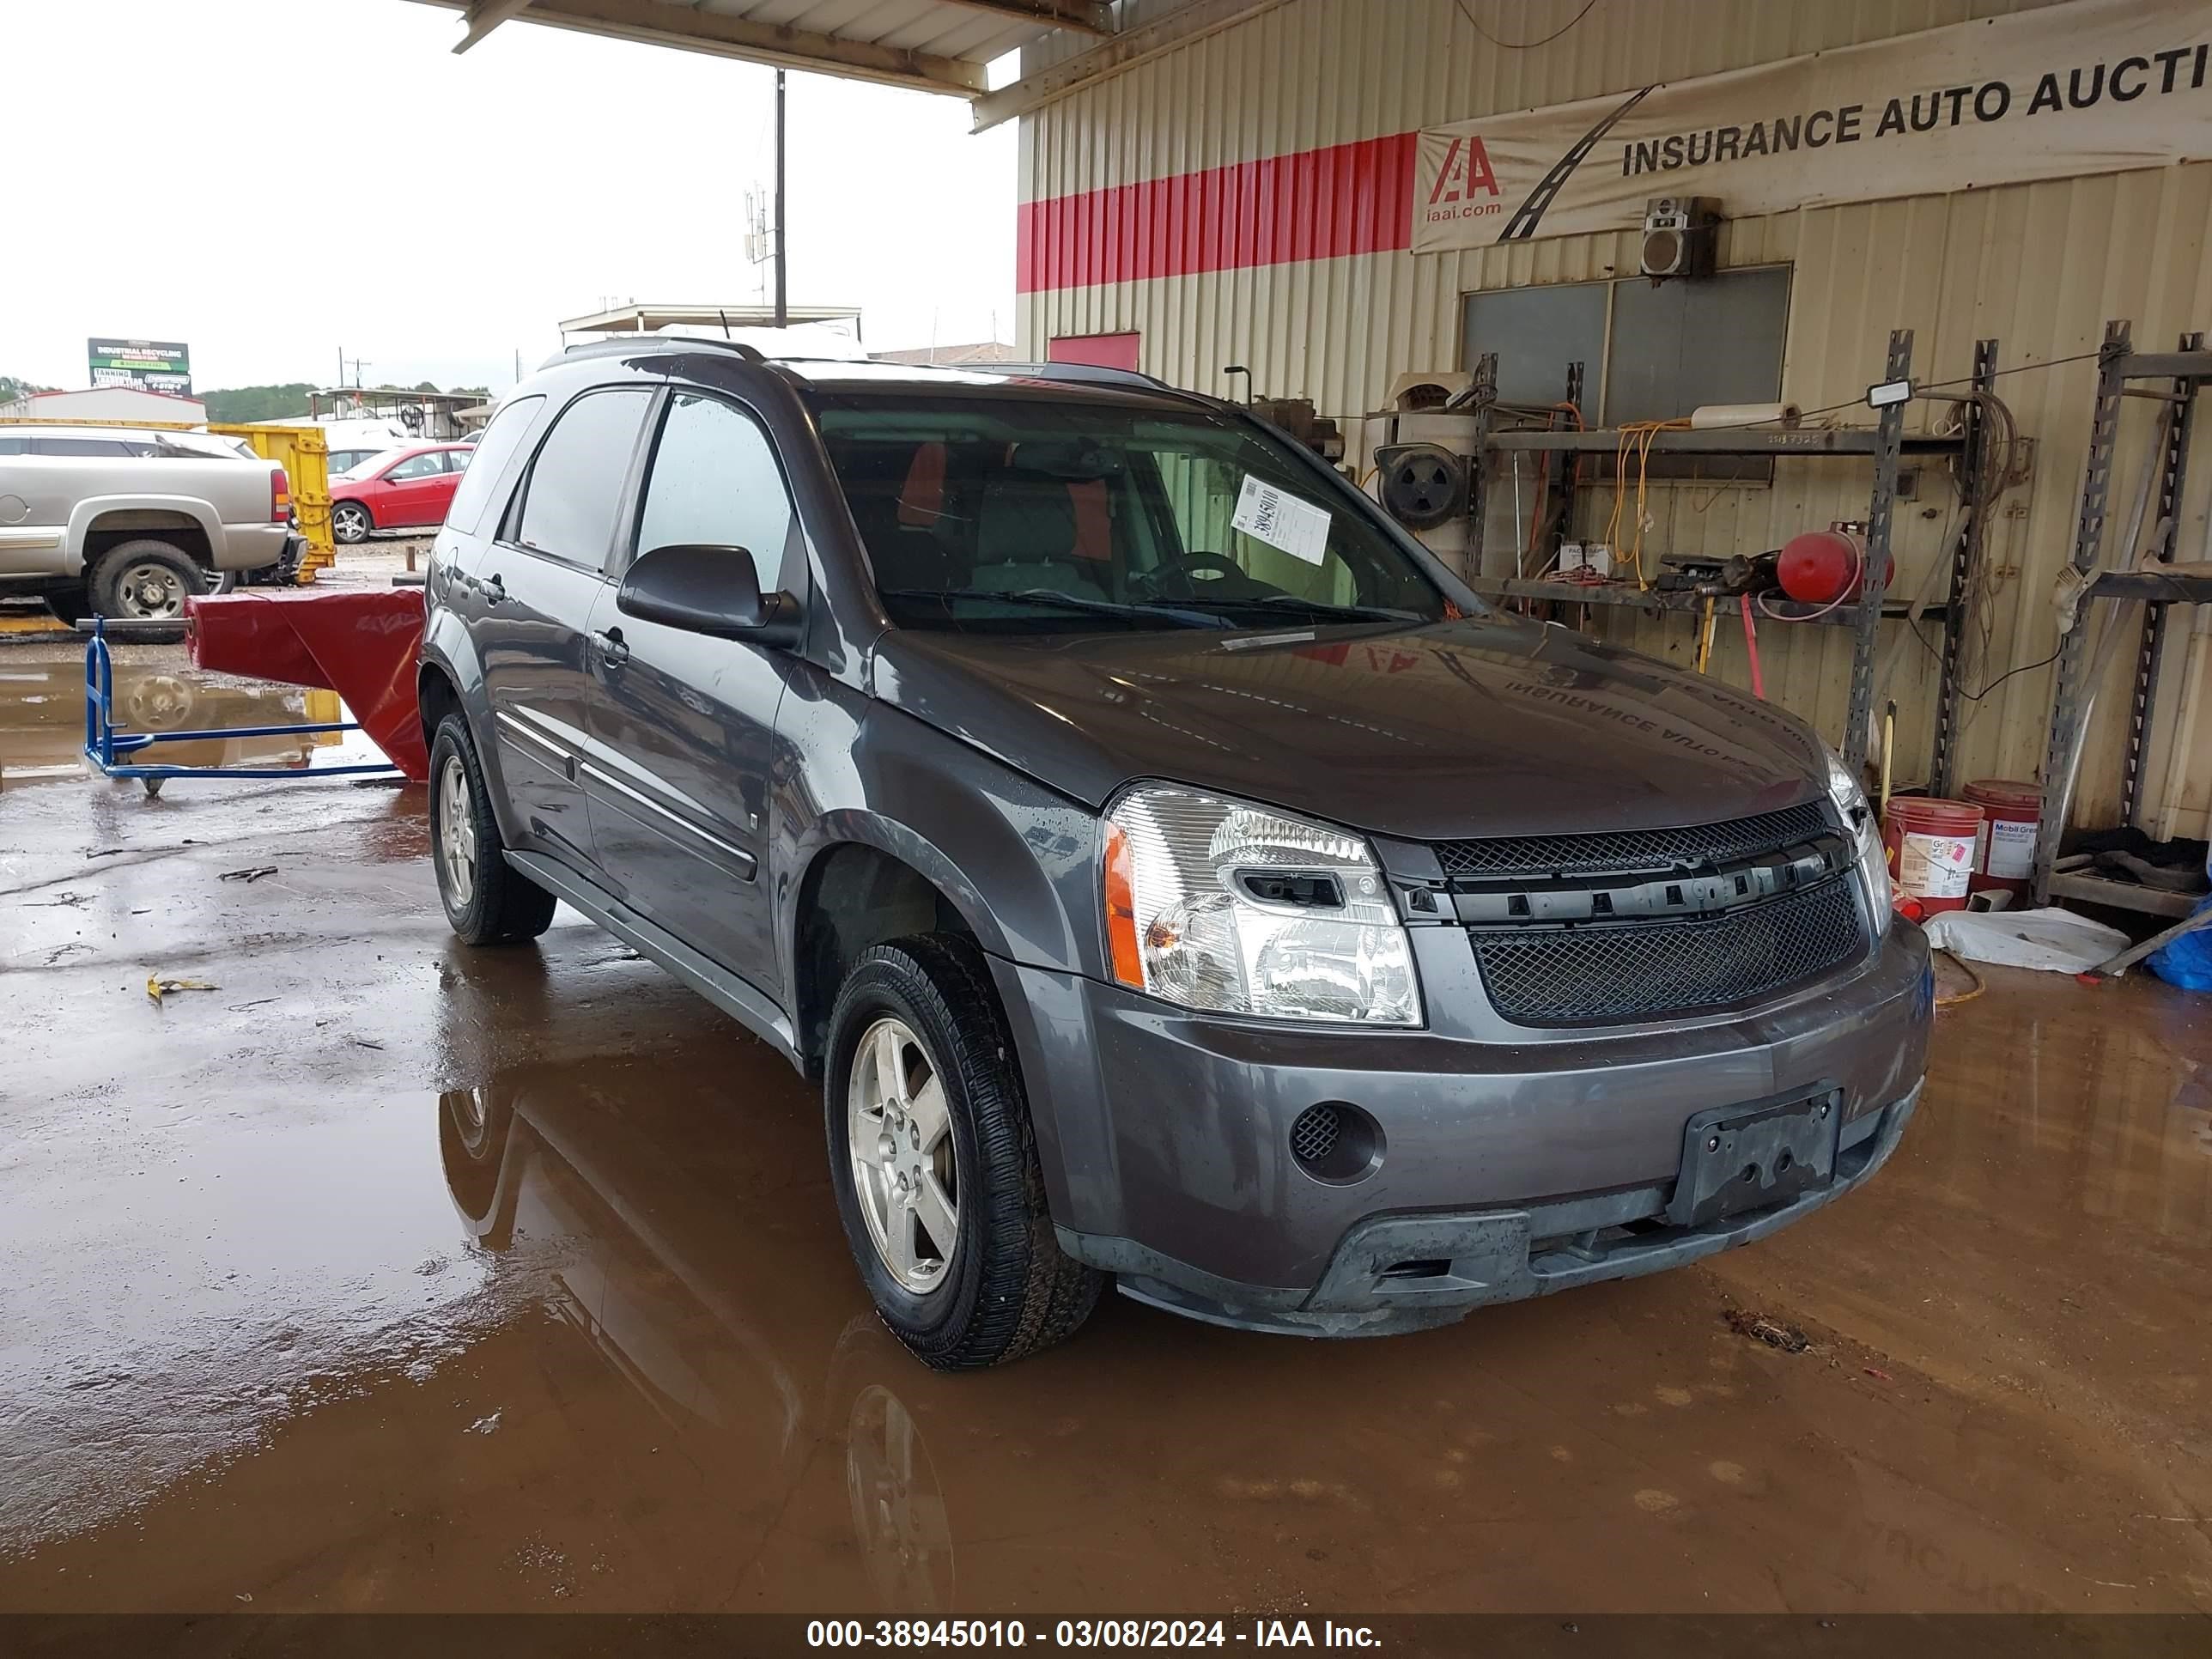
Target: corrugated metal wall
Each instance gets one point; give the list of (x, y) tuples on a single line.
[(2039, 266)]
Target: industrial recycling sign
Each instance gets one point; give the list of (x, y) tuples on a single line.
[(2088, 86), (149, 365)]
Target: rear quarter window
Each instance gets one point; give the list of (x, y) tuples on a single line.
[(501, 440)]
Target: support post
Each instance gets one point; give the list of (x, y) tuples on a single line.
[(1482, 394), (2142, 702), (1974, 481), (2069, 693), (1559, 478), (1873, 580), (782, 312)]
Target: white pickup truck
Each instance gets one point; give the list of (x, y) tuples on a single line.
[(128, 522)]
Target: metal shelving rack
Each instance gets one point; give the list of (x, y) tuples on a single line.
[(2186, 371), (1885, 444)]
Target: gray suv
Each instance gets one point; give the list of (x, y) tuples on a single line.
[(1173, 875)]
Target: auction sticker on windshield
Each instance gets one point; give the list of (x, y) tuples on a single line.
[(1281, 519)]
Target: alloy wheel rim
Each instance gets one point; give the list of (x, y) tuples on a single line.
[(457, 832), (151, 590), (350, 523), (905, 1169)]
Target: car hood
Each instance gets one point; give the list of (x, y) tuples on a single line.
[(1489, 726)]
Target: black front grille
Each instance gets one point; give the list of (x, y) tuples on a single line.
[(1630, 851), (1613, 972)]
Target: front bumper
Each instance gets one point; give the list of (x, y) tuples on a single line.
[(1521, 1163), (1506, 1255)]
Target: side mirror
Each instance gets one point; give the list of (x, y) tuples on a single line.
[(705, 589)]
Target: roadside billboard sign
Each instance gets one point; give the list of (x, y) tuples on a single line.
[(149, 365)]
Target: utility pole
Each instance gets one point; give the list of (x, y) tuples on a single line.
[(782, 313)]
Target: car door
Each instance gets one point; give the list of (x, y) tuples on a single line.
[(539, 583), (456, 462), (414, 491), (682, 726)]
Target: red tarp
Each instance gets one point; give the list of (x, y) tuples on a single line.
[(362, 645)]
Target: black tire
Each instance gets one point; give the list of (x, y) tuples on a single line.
[(350, 523), (71, 602), (496, 904), (145, 580), (1008, 1290)]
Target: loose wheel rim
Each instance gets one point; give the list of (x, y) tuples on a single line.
[(457, 832), (151, 592), (905, 1169)]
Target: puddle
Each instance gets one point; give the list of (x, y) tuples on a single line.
[(42, 721), (398, 1276)]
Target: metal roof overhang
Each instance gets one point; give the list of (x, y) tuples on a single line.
[(635, 318), (933, 46), (930, 46)]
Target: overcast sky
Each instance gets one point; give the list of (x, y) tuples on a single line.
[(268, 180)]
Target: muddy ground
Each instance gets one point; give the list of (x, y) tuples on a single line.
[(391, 1275)]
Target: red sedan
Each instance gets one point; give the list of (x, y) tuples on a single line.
[(398, 488)]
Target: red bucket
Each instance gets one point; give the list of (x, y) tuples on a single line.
[(1931, 849), (2004, 853)]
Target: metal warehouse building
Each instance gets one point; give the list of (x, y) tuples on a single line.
[(1338, 196), (1256, 192)]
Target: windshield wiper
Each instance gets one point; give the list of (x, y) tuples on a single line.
[(1075, 602), (1319, 608)]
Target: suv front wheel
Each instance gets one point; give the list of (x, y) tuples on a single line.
[(934, 1162)]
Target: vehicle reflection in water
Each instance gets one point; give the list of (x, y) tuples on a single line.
[(678, 1296), (42, 719)]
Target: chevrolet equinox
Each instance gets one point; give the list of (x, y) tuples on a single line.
[(1172, 873)]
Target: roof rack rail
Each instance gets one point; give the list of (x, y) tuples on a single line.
[(1095, 373), (632, 343)]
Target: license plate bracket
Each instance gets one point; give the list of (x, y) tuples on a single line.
[(1750, 1157)]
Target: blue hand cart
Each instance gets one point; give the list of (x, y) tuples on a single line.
[(104, 746)]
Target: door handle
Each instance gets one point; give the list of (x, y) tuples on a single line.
[(612, 650), (494, 589)]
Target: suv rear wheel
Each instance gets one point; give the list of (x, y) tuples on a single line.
[(146, 580), (486, 900), (934, 1162)]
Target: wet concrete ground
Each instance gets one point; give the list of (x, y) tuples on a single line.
[(391, 1275)]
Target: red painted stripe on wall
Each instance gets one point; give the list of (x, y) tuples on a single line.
[(1315, 204)]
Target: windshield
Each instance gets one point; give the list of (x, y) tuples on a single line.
[(367, 460), (1023, 515)]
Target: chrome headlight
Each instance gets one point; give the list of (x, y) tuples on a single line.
[(1221, 905), (1859, 818)]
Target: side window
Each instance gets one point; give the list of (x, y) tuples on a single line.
[(415, 466), (457, 461), (81, 447), (494, 449), (575, 484), (715, 480)]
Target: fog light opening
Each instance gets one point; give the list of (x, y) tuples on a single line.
[(1336, 1142), (1426, 1267)]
